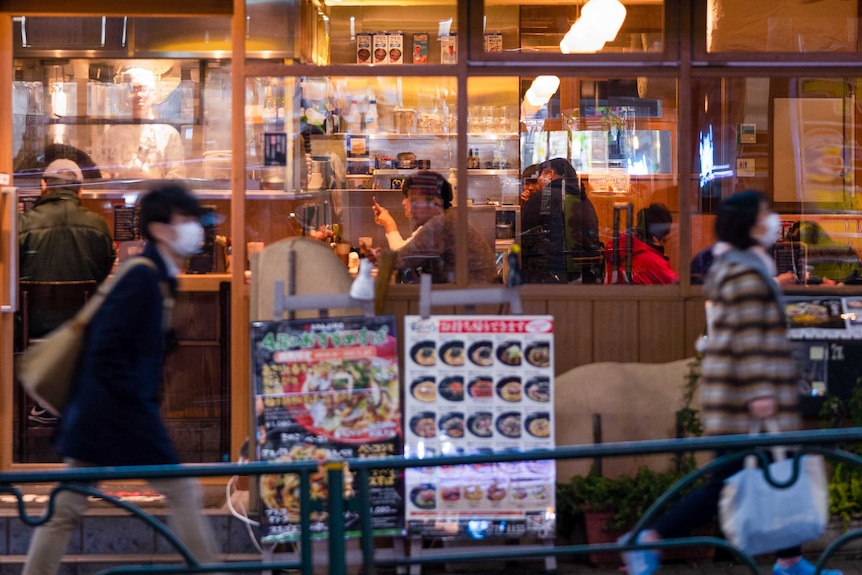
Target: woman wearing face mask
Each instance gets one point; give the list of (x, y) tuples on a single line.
[(748, 371), (113, 418)]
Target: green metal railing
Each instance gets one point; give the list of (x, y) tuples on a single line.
[(80, 480)]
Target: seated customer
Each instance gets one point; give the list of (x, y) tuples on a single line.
[(828, 259), (649, 264), (559, 224), (431, 246)]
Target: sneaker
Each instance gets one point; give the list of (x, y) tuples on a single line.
[(802, 567), (42, 416), (643, 561)]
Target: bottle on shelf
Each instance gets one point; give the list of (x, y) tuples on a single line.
[(354, 118), (372, 120)]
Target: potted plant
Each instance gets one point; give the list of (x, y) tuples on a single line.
[(609, 507), (845, 482)]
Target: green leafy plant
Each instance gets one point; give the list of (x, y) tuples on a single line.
[(845, 483)]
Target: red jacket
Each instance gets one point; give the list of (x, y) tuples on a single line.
[(649, 266)]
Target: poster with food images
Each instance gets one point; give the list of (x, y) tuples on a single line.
[(473, 385), (327, 389)]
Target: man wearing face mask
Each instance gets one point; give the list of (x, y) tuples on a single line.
[(113, 417)]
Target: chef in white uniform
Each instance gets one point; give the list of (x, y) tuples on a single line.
[(141, 150)]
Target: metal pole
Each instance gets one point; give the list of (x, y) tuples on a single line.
[(337, 547)]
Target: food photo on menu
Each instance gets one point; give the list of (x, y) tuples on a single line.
[(325, 391), (821, 313), (478, 385)]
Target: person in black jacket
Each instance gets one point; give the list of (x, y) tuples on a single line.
[(60, 240), (559, 227)]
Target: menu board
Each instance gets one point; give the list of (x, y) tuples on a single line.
[(126, 223), (327, 389), (479, 384)]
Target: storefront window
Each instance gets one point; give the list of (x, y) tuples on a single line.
[(587, 27), (779, 26), (360, 164), (592, 176), (105, 94), (795, 139)]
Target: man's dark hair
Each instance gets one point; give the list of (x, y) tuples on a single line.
[(654, 220), (161, 203), (737, 214), (432, 184)]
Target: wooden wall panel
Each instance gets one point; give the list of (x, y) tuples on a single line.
[(695, 319), (192, 387), (196, 317), (661, 336), (616, 330), (573, 325), (592, 328)]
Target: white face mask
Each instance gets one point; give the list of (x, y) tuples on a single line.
[(772, 228), (189, 239)]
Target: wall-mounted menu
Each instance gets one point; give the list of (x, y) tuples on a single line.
[(478, 384), (327, 389)]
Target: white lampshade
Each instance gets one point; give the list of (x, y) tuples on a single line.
[(584, 36), (608, 14), (535, 99), (528, 110), (545, 86)]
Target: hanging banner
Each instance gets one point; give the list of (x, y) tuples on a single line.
[(477, 384), (326, 389)]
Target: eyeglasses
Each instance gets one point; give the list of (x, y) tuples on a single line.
[(140, 89)]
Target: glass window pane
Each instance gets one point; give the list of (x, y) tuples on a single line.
[(128, 123), (590, 155), (418, 33), (128, 120), (779, 26), (596, 26), (350, 147), (795, 139)]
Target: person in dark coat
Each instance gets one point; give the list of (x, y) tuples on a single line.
[(59, 240), (113, 418), (558, 223)]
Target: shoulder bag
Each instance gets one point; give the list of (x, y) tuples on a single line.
[(758, 517), (46, 369)]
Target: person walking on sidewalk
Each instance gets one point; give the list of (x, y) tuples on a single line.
[(748, 371), (112, 418)]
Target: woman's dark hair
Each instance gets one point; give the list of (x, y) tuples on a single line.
[(161, 203), (432, 184), (809, 232), (737, 214)]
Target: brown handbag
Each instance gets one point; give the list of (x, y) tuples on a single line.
[(46, 369)]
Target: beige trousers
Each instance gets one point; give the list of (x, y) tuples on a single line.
[(49, 542)]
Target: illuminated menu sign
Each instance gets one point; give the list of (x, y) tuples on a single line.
[(478, 384), (327, 389)]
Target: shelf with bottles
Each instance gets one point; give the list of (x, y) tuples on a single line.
[(470, 172)]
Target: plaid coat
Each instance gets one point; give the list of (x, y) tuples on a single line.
[(748, 354)]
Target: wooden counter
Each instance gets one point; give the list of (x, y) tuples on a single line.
[(202, 282)]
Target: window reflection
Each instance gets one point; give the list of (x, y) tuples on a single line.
[(796, 139)]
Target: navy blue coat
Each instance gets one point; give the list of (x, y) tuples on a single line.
[(113, 416)]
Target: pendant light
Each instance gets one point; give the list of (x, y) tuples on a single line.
[(608, 14)]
